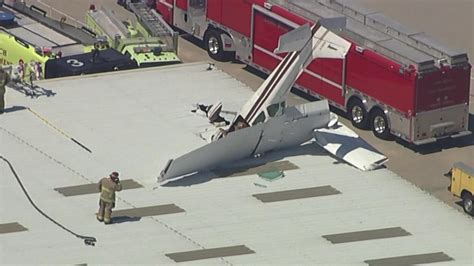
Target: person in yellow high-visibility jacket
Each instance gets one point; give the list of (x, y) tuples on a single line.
[(107, 187)]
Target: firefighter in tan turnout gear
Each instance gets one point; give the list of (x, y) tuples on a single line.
[(108, 186)]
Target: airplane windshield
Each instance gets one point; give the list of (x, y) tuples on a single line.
[(260, 118), (275, 109)]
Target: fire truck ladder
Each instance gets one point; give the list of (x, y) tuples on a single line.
[(153, 22), (109, 23)]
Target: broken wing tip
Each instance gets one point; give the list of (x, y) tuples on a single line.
[(375, 165)]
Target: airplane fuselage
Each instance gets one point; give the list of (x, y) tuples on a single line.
[(295, 126)]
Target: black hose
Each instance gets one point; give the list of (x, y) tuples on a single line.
[(88, 240), (59, 130), (80, 144)]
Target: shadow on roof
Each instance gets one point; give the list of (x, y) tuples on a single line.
[(234, 169), (125, 219), (14, 109), (34, 91)]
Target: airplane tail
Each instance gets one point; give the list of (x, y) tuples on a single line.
[(329, 45), (302, 45)]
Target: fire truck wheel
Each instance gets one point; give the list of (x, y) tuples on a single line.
[(467, 203), (213, 45), (357, 113), (380, 126)]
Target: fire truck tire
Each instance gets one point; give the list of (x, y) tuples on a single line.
[(467, 203), (213, 45), (379, 124), (357, 114)]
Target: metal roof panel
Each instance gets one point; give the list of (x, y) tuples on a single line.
[(133, 122)]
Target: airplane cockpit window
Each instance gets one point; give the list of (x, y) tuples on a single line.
[(260, 118), (275, 109)]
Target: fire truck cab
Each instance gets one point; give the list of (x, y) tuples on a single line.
[(394, 80)]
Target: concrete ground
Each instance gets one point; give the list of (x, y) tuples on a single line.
[(451, 22)]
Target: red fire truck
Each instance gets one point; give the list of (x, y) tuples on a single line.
[(395, 81)]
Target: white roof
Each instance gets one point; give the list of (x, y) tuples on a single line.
[(133, 122)]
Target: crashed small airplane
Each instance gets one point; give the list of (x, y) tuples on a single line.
[(266, 124)]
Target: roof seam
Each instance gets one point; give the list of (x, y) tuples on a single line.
[(89, 180)]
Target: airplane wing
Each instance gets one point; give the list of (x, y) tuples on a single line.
[(348, 146), (233, 147)]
